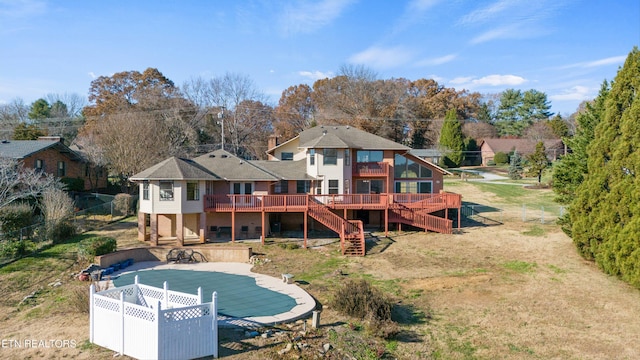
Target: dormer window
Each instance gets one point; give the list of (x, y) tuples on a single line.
[(286, 156)]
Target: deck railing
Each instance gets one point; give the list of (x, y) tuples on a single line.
[(370, 169)]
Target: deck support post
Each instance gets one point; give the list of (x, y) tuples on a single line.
[(153, 229), (180, 228), (203, 227), (264, 229), (142, 226), (233, 225), (305, 229)]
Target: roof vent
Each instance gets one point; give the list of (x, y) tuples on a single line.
[(324, 132), (223, 156), (5, 141), (212, 155)]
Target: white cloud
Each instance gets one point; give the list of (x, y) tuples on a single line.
[(500, 80), (21, 8), (382, 58), (437, 61), (308, 16), (489, 80), (489, 12), (92, 75), (315, 75), (596, 63), (576, 93)]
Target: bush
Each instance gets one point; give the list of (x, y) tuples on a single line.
[(122, 204), (15, 217), (359, 299), (61, 232), (16, 248), (501, 158), (289, 246), (73, 184), (96, 246)]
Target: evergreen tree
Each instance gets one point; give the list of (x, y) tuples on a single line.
[(515, 166), (538, 161), (40, 109), (606, 213), (452, 140), (23, 131)]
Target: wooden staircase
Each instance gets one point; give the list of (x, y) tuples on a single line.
[(418, 215), (351, 232)]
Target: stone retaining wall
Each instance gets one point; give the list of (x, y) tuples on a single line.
[(159, 253)]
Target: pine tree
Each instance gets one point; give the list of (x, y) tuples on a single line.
[(515, 166), (606, 213), (452, 140), (538, 161)]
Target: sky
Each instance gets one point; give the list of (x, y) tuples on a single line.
[(564, 48)]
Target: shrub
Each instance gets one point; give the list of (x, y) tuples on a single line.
[(501, 158), (96, 246), (73, 184), (61, 231), (57, 207), (122, 204), (15, 217), (360, 299), (16, 248), (289, 246)]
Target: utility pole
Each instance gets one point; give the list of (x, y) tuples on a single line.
[(221, 123)]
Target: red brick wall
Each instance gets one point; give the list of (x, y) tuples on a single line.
[(74, 168)]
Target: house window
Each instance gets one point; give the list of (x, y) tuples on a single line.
[(414, 187), (369, 156), (193, 191), (333, 186), (62, 169), (166, 190), (286, 156), (347, 157), (369, 186), (303, 186), (242, 188), (281, 187), (409, 169), (145, 190), (312, 156), (39, 164), (330, 157)]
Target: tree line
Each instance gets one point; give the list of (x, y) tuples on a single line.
[(599, 179), (134, 119)]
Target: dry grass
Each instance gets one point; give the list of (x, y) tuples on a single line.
[(511, 291)]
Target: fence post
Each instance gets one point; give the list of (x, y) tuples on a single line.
[(122, 335), (92, 291), (166, 295), (199, 295), (214, 313)]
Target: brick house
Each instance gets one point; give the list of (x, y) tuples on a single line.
[(489, 148), (52, 156), (328, 178)]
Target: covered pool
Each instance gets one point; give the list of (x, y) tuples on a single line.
[(245, 298), (238, 295)]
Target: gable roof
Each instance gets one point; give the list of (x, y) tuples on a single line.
[(341, 137), (522, 146), (20, 149), (175, 168), (227, 166), (285, 170)]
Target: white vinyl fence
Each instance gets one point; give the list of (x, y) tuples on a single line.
[(146, 322)]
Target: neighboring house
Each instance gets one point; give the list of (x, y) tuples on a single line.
[(489, 148), (335, 178), (52, 156), (431, 155)]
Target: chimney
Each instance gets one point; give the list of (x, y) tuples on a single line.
[(50, 138), (272, 142)]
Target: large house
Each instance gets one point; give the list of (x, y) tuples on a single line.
[(336, 178), (50, 155)]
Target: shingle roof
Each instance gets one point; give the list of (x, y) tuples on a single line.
[(230, 167), (20, 149), (175, 168), (522, 146), (345, 137), (285, 170)]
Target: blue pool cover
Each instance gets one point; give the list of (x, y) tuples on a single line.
[(238, 295)]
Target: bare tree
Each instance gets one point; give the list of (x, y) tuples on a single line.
[(11, 114), (18, 182), (57, 208)]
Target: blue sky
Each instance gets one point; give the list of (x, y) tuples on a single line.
[(565, 48)]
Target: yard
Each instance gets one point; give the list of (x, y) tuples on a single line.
[(516, 290)]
